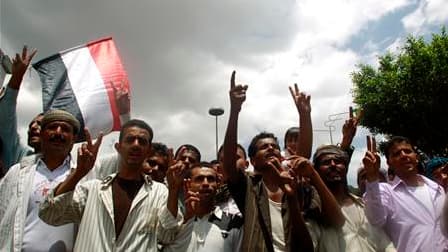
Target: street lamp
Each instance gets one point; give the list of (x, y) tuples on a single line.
[(216, 112)]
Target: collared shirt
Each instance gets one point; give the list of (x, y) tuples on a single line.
[(13, 150), (91, 205), (15, 193), (409, 224), (216, 231), (356, 235), (36, 231), (225, 201)]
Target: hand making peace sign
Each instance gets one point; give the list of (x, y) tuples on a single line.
[(371, 160)]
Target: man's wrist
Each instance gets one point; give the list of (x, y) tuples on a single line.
[(372, 177), (14, 82)]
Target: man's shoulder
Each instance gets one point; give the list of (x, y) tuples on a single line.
[(29, 160)]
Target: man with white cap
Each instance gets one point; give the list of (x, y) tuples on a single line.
[(24, 187)]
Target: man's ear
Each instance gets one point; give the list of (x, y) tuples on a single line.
[(219, 179), (246, 164), (117, 147), (150, 151), (417, 156), (76, 137), (252, 162)]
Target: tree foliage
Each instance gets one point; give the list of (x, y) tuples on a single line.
[(407, 94)]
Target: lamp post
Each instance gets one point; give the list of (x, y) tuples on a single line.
[(216, 112)]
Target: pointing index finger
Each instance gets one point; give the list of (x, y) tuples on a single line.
[(350, 109), (232, 80)]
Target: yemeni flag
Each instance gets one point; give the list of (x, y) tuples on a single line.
[(83, 81)]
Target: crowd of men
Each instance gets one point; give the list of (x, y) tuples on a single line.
[(145, 197)]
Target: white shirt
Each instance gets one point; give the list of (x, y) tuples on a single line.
[(15, 190), (91, 205), (230, 207), (357, 234), (278, 232), (56, 238), (215, 232)]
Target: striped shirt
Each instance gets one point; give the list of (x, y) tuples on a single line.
[(91, 205)]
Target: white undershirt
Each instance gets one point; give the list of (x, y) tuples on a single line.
[(39, 236), (278, 233)]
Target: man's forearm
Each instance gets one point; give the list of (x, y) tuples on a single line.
[(172, 201), (69, 184), (305, 141), (230, 147), (375, 204)]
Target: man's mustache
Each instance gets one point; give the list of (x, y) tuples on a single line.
[(57, 137)]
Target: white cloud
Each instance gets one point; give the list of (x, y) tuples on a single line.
[(179, 56), (429, 12)]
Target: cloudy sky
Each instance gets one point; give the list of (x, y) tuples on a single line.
[(179, 56)]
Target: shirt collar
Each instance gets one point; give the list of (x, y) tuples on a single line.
[(108, 180), (217, 212), (431, 184), (68, 162), (357, 200)]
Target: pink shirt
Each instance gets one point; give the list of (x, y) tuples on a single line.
[(410, 225)]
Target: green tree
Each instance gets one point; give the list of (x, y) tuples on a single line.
[(407, 94)]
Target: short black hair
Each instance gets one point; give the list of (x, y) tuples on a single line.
[(238, 146), (189, 147), (160, 149), (198, 165), (394, 140), (293, 131), (253, 144), (136, 123)]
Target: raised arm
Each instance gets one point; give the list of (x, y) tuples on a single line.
[(375, 197), (13, 150), (175, 178), (237, 95), (331, 212), (371, 161), (86, 159), (349, 131), (305, 137), (20, 64), (123, 101)]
